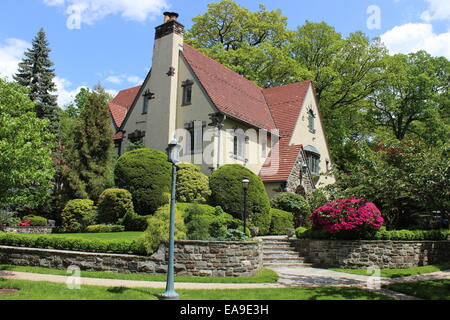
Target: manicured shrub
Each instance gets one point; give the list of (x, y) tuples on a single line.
[(227, 192), (78, 214), (102, 228), (281, 221), (296, 204), (134, 222), (145, 173), (113, 205), (348, 218), (204, 222), (192, 185), (158, 229), (71, 244), (36, 221), (300, 231)]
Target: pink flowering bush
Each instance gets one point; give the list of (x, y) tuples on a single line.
[(348, 218)]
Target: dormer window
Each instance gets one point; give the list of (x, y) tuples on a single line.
[(311, 121), (187, 92)]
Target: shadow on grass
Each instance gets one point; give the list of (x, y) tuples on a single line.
[(122, 290), (345, 294)]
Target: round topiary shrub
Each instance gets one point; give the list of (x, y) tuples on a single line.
[(145, 173), (227, 192), (281, 221), (36, 221), (348, 218), (113, 205), (192, 185), (294, 203), (158, 229), (78, 215)]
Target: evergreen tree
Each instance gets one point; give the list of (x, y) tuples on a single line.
[(36, 73), (88, 156)]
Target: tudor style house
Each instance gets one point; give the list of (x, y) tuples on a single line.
[(219, 117)]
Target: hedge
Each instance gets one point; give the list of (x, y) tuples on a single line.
[(36, 221), (399, 235), (97, 246), (281, 221), (102, 228)]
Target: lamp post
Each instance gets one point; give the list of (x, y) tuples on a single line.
[(245, 184), (173, 151)]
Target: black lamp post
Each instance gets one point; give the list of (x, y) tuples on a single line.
[(245, 184), (173, 151)]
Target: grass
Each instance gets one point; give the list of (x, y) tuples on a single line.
[(54, 291), (397, 273), (265, 276), (428, 290)]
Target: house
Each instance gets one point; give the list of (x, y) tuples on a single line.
[(219, 117)]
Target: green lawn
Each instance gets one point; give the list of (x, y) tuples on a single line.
[(52, 291), (397, 273), (266, 276), (428, 290)]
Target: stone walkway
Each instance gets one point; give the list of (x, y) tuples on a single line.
[(289, 277)]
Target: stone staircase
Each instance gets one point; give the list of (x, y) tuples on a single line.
[(278, 252)]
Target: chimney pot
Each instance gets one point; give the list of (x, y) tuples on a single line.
[(170, 16)]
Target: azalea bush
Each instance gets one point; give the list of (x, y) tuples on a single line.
[(348, 218)]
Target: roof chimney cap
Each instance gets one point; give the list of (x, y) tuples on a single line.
[(170, 16)]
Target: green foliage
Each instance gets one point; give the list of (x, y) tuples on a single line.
[(102, 228), (204, 222), (36, 221), (402, 179), (158, 229), (192, 185), (113, 205), (398, 235), (294, 203), (71, 244), (8, 218), (281, 221), (78, 215), (146, 173), (227, 192), (88, 153), (300, 231), (236, 235), (134, 222), (36, 74), (26, 166)]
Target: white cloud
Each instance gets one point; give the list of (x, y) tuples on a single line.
[(413, 37), (119, 79), (11, 52), (437, 10), (90, 11), (115, 79)]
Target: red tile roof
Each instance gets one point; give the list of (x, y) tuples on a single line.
[(230, 92), (122, 103), (285, 104)]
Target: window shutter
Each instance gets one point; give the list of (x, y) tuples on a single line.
[(198, 136)]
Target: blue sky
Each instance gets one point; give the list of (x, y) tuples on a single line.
[(110, 41)]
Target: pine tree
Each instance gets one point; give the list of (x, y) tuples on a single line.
[(35, 73), (88, 156)]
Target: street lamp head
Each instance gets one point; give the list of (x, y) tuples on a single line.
[(173, 151), (245, 183)]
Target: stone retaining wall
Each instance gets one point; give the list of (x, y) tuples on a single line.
[(192, 258), (363, 254)]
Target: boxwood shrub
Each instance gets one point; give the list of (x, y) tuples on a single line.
[(296, 204), (70, 244), (113, 205), (398, 235), (281, 221), (146, 173), (36, 221), (78, 215), (227, 192)]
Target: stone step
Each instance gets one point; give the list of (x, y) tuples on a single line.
[(283, 259), (281, 254), (278, 249), (284, 265)]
